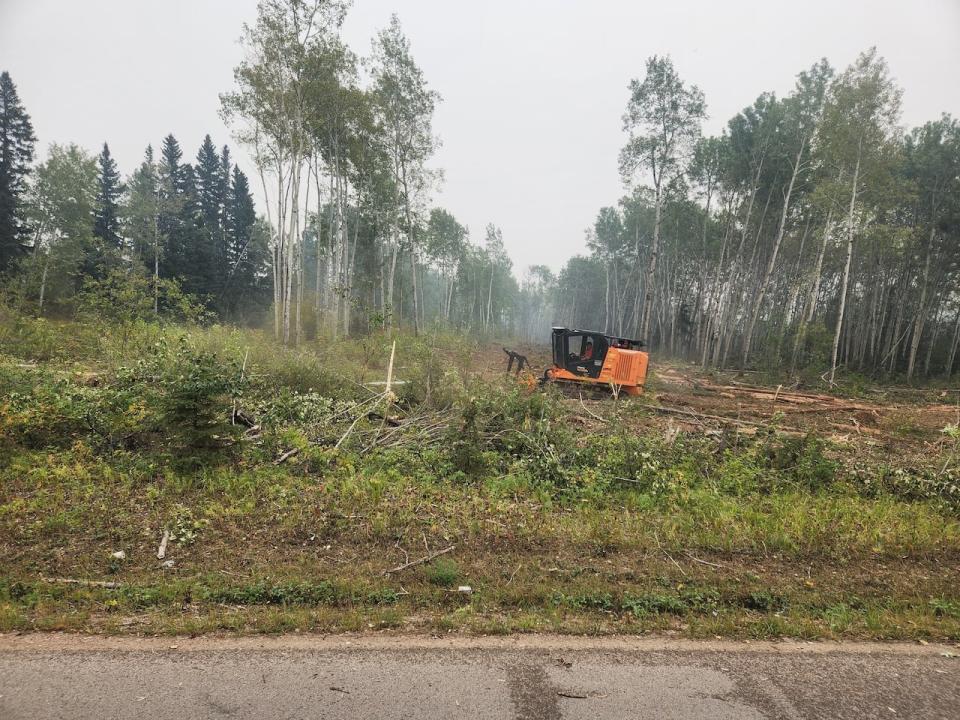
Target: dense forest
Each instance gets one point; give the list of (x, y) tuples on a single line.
[(814, 233)]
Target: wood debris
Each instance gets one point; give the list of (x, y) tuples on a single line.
[(419, 561)]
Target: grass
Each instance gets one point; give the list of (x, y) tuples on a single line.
[(558, 525)]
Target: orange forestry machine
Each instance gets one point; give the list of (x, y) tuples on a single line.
[(587, 357)]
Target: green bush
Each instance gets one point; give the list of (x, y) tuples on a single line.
[(195, 392), (443, 572), (801, 460), (263, 593), (653, 603)]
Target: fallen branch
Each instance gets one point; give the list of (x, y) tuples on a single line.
[(422, 560), (83, 583), (832, 408), (349, 429), (698, 416), (702, 562), (591, 414), (669, 556), (286, 456), (162, 550)]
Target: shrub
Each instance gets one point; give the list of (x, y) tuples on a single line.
[(263, 593), (443, 572), (652, 603), (123, 298), (801, 460), (196, 388)]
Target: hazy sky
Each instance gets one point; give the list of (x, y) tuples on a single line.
[(533, 90)]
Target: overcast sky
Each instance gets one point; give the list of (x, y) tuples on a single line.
[(533, 90)]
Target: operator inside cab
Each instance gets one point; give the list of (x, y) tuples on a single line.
[(587, 351)]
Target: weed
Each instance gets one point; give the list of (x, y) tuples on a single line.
[(443, 572), (263, 593), (945, 608), (653, 603), (184, 529), (764, 601)]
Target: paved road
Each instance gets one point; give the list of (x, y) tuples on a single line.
[(53, 676)]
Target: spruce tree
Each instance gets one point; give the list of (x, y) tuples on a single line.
[(192, 261), (142, 211), (16, 154), (222, 243), (106, 222), (244, 262), (209, 183), (241, 215), (170, 192)]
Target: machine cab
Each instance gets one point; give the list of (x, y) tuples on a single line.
[(580, 352), (588, 356)]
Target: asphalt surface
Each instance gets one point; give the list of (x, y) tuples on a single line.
[(54, 676)]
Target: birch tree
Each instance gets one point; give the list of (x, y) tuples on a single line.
[(860, 124), (801, 117), (269, 113), (932, 155), (662, 121), (405, 105)]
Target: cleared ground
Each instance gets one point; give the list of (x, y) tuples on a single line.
[(716, 505)]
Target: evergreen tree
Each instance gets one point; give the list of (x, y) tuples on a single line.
[(209, 185), (209, 182), (142, 207), (222, 241), (16, 154), (171, 202), (244, 280), (170, 182), (241, 215), (192, 261), (106, 223)]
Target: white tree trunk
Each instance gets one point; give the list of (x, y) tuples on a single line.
[(651, 268), (762, 290), (921, 308), (846, 269)]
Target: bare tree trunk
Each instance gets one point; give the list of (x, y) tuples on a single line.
[(486, 322), (846, 269), (416, 299), (651, 268), (921, 307), (814, 293), (351, 264), (948, 368), (317, 235), (606, 299), (292, 242), (639, 294), (391, 276), (156, 255), (895, 338), (43, 283), (933, 340), (383, 283), (299, 278), (762, 291)]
